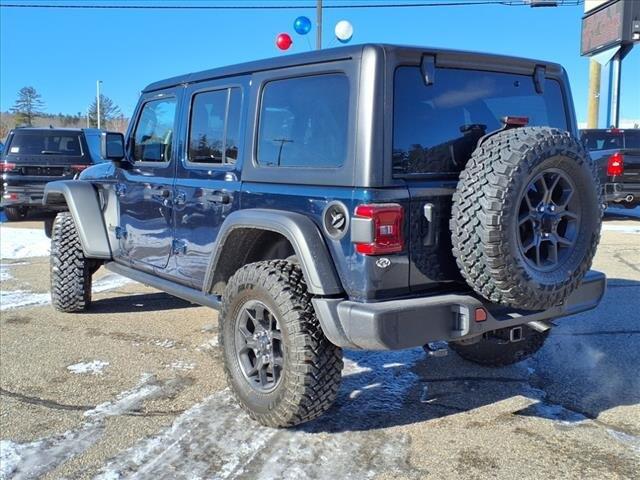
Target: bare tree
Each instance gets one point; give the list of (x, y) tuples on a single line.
[(28, 105), (108, 112)]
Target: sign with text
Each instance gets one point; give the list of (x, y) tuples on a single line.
[(609, 25)]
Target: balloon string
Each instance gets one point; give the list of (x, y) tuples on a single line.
[(308, 42)]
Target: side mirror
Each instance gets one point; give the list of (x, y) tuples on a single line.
[(112, 146)]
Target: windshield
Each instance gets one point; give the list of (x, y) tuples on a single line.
[(45, 143), (437, 127)]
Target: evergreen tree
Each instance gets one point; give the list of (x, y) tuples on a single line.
[(28, 105)]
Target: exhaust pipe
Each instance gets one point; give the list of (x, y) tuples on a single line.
[(539, 326), (629, 198)]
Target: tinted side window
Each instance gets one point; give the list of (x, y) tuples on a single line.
[(304, 122), (153, 136), (632, 139), (215, 124), (437, 127)]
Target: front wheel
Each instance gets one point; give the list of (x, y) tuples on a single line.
[(496, 349), (70, 270), (278, 362)]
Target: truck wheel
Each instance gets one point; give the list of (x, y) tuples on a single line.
[(526, 217), (278, 362), (495, 349), (15, 214), (70, 270)]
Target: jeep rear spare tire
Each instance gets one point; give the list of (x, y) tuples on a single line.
[(526, 217)]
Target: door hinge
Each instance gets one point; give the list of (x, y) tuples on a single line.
[(179, 247), (121, 232)]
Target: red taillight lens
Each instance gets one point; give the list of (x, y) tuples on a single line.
[(78, 168), (615, 165), (387, 228), (7, 167)]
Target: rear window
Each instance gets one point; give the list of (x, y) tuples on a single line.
[(611, 139), (437, 127), (45, 143), (304, 122)]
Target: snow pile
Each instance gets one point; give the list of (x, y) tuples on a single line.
[(23, 243), (4, 273), (94, 368)]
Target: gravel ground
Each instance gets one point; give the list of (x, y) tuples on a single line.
[(134, 388)]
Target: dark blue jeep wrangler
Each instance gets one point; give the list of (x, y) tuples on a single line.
[(367, 197)]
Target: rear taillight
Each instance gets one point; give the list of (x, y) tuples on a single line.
[(615, 165), (7, 167), (78, 168), (387, 228)]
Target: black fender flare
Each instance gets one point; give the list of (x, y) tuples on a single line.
[(304, 236), (82, 201)]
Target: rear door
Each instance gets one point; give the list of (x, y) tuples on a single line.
[(208, 177), (145, 184), (436, 129)]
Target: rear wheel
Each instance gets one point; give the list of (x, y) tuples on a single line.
[(496, 349), (278, 362), (15, 214), (70, 270)]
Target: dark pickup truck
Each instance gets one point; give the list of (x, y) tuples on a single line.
[(34, 156), (617, 155)]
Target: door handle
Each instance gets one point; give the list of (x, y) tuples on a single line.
[(219, 197)]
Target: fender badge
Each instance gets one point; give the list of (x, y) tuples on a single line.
[(383, 262)]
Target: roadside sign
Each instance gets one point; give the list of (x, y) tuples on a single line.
[(609, 24)]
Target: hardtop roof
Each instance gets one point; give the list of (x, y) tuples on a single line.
[(492, 61)]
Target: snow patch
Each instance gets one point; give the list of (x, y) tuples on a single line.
[(4, 273), (23, 243), (621, 228), (182, 365), (22, 298), (94, 368), (109, 281), (625, 438), (216, 439), (166, 343), (130, 400)]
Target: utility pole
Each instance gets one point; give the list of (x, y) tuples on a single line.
[(593, 102), (98, 82), (319, 25)]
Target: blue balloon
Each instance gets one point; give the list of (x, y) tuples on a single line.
[(302, 25)]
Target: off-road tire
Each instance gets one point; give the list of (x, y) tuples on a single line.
[(15, 214), (494, 350), (484, 221), (311, 373), (70, 270)]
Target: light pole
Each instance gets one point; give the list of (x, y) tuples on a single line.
[(319, 25), (98, 82)]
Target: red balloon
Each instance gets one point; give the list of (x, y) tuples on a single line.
[(284, 41)]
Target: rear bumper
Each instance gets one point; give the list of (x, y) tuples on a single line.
[(619, 192), (22, 196), (399, 324)]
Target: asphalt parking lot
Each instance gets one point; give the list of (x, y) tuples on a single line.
[(134, 388)]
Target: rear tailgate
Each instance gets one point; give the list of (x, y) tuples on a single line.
[(436, 129)]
